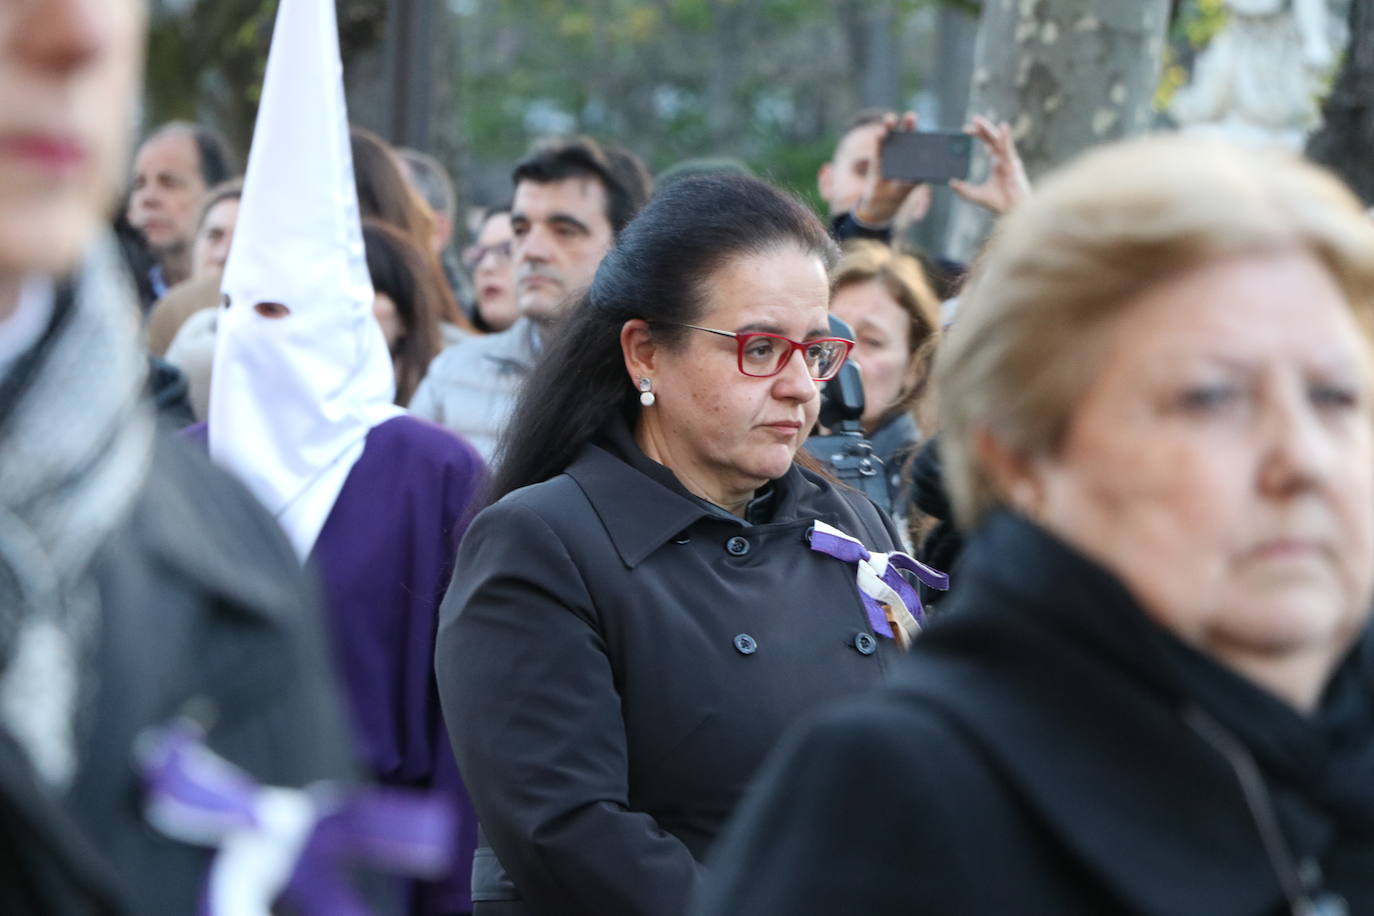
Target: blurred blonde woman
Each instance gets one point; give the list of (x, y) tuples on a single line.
[(1151, 692)]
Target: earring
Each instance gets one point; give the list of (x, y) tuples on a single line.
[(646, 396)]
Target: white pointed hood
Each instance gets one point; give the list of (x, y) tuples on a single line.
[(292, 398)]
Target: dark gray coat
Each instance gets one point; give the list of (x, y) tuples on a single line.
[(204, 610), (615, 660)]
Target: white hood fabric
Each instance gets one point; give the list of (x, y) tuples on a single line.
[(292, 399)]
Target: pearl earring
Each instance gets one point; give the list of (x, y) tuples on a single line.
[(646, 396)]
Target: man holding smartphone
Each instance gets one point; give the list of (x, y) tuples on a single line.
[(864, 203)]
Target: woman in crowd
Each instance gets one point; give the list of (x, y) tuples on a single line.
[(493, 272), (407, 302), (884, 297), (384, 193), (637, 620), (1152, 691)]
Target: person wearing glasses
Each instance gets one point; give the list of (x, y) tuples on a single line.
[(492, 267), (648, 606), (1150, 692)]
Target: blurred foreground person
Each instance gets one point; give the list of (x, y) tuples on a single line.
[(301, 408), (1151, 692), (633, 625), (123, 594)]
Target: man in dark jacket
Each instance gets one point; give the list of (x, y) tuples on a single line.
[(137, 584)]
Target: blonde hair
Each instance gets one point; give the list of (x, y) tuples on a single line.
[(1061, 266), (901, 277)]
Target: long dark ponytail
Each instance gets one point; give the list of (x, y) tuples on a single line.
[(658, 271)]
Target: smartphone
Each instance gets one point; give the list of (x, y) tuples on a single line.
[(935, 156)]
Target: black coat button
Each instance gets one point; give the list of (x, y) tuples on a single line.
[(746, 644), (737, 546), (865, 643)]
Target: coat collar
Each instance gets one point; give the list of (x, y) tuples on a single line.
[(642, 504)]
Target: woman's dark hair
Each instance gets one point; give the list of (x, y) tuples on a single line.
[(401, 271), (659, 271), (384, 193)]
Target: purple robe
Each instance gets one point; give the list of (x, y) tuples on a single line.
[(384, 558)]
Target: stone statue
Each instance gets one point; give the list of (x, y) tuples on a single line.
[(1260, 79)]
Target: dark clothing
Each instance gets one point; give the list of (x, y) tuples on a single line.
[(168, 391), (943, 542), (894, 442), (1035, 755), (844, 227), (204, 611), (615, 660)]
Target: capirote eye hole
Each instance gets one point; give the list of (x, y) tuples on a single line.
[(271, 310)]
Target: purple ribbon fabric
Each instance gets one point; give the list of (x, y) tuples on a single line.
[(197, 797), (886, 568)]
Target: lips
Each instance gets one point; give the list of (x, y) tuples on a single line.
[(50, 152), (785, 427)]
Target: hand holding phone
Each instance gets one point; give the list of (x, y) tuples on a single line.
[(930, 156)]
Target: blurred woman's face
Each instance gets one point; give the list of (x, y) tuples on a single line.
[(722, 432), (69, 72), (1221, 463), (882, 347), (494, 273)]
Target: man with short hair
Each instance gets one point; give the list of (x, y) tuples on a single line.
[(173, 169), (572, 198), (861, 203)]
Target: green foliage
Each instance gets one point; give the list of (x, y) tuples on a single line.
[(766, 81), (1197, 23)]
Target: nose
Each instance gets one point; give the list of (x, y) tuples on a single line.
[(1298, 447), (60, 36), (535, 245), (794, 382)]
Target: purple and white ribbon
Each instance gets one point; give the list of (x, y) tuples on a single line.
[(880, 581), (291, 844)]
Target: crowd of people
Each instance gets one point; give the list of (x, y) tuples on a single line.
[(346, 566)]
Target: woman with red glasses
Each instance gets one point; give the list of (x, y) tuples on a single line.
[(652, 601)]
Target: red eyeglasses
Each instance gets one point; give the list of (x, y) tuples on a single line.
[(763, 355)]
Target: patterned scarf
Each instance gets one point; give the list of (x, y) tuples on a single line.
[(75, 444)]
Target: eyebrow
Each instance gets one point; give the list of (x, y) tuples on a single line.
[(765, 327), (567, 219), (560, 218)]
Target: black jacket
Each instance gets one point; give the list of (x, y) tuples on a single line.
[(204, 611), (1034, 756), (615, 659)]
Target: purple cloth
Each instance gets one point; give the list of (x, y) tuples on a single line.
[(384, 558)]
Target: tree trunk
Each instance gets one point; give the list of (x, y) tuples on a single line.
[(871, 34), (1345, 142), (956, 38), (1066, 79)]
